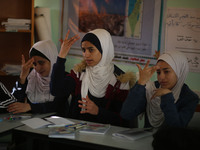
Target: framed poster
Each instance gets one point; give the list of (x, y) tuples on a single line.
[(183, 34), (133, 24)]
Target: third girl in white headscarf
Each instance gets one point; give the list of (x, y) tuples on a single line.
[(166, 102)]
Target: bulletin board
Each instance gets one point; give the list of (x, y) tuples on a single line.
[(134, 26), (182, 32)]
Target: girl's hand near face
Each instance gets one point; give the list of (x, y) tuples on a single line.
[(146, 73), (88, 106), (160, 92), (66, 44), (26, 66)]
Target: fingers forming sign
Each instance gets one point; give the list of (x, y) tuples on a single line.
[(67, 43), (88, 106), (146, 73), (26, 66)]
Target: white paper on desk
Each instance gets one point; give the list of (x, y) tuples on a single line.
[(59, 120), (35, 123)]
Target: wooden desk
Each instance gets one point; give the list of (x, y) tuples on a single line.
[(35, 137)]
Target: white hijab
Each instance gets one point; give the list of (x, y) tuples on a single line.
[(96, 78), (38, 88), (179, 64)]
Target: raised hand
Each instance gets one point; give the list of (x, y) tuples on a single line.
[(66, 44), (146, 73), (25, 69)]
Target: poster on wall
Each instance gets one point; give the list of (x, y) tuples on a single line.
[(133, 24), (183, 34)]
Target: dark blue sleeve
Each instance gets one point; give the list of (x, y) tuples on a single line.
[(58, 105), (43, 107), (61, 84), (179, 114), (135, 102), (20, 95)]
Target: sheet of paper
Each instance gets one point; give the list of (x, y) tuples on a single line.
[(35, 123), (182, 34), (59, 120)]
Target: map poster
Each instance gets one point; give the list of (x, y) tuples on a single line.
[(133, 24), (134, 19)]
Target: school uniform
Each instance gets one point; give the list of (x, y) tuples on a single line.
[(57, 105), (175, 115), (109, 105), (105, 84)]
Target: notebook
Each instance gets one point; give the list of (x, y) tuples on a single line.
[(61, 132), (134, 133), (6, 97), (95, 128)]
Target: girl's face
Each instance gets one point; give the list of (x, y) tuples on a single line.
[(91, 54), (166, 75), (42, 66)]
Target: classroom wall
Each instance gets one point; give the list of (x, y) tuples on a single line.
[(55, 7), (192, 80)]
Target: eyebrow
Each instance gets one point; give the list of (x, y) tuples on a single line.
[(40, 61), (163, 69), (87, 47)]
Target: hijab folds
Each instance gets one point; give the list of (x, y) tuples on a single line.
[(96, 78), (179, 64), (38, 88)]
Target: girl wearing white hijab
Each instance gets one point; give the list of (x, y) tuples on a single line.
[(35, 85), (168, 101), (97, 86)]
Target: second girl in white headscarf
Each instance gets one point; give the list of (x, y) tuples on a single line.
[(97, 86)]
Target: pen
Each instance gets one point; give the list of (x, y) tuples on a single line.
[(80, 126), (61, 125), (76, 126), (70, 125)]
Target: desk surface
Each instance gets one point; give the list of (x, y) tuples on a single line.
[(7, 125), (104, 141), (195, 121)]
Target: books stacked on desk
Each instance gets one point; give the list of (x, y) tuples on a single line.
[(61, 132), (16, 24), (67, 131)]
